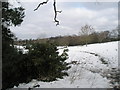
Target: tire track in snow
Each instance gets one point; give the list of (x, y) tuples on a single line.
[(77, 63), (102, 59), (110, 74)]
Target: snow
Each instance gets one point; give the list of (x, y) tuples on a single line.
[(22, 48), (92, 65)]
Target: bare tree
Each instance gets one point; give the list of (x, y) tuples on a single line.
[(103, 35), (55, 10), (114, 33), (86, 31)]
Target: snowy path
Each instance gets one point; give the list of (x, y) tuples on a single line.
[(89, 67)]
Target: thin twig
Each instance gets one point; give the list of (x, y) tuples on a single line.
[(55, 10), (41, 4), (55, 18)]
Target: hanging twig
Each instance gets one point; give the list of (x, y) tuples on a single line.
[(55, 18), (55, 10), (41, 4)]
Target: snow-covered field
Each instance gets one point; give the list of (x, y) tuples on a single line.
[(91, 67)]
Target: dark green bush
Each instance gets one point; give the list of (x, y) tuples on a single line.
[(42, 62), (49, 63), (16, 68)]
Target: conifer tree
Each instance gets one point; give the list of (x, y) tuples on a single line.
[(49, 63), (10, 72)]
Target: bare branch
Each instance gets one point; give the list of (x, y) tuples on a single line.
[(55, 18), (41, 4), (55, 10)]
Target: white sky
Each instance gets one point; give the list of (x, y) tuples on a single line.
[(40, 24)]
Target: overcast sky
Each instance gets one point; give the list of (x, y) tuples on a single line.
[(40, 24)]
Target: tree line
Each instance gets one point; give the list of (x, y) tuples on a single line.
[(73, 40)]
